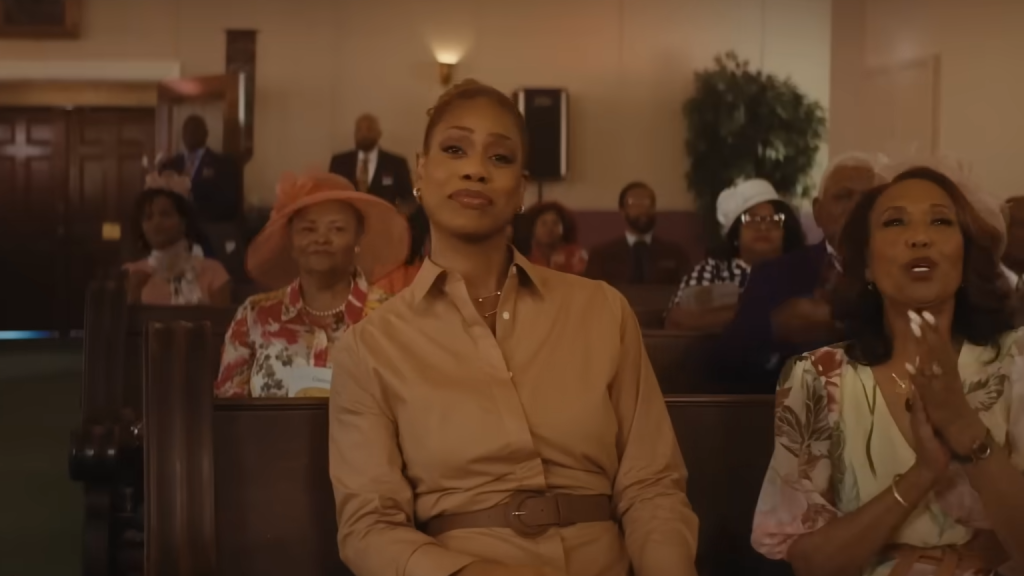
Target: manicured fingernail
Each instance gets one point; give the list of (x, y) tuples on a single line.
[(916, 329), (915, 318), (928, 317), (910, 368)]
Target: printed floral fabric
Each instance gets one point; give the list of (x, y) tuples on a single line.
[(570, 258), (273, 331), (837, 447)]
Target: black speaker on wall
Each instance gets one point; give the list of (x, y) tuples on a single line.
[(546, 111)]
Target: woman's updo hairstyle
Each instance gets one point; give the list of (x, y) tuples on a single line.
[(465, 91)]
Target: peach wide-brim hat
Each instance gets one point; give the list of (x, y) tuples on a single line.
[(383, 247)]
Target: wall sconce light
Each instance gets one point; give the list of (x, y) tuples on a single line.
[(444, 70)]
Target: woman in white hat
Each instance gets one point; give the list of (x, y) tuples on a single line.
[(321, 251), (756, 226)]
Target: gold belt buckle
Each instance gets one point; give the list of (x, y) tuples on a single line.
[(515, 513)]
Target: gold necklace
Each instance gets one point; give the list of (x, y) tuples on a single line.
[(482, 298), (902, 384)]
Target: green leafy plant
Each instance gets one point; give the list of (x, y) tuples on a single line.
[(746, 123)]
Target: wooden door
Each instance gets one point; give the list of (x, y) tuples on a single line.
[(105, 151), (33, 180)]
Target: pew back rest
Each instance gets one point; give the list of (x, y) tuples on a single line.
[(727, 442), (233, 487), (134, 343), (680, 361), (273, 488)]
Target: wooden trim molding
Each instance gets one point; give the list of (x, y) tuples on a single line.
[(178, 454), (59, 94)]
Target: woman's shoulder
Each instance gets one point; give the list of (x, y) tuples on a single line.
[(262, 300), (141, 264), (825, 363)]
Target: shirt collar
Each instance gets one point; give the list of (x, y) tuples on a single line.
[(292, 303), (631, 237), (833, 255), (1012, 276), (431, 274), (369, 154)]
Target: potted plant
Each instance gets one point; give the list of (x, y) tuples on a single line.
[(745, 123)]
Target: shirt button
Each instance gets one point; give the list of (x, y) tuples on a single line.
[(504, 315)]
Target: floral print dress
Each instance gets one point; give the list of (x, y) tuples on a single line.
[(837, 447), (272, 334)]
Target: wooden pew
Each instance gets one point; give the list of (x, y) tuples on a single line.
[(727, 443), (649, 302), (680, 362), (241, 487)]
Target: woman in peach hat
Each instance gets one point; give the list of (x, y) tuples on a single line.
[(321, 252)]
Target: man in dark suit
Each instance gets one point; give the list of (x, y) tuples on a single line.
[(638, 257), (373, 170), (784, 309), (216, 178)]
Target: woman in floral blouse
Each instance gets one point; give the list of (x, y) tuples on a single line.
[(322, 249), (901, 451)]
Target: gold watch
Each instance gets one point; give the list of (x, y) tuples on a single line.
[(980, 450)]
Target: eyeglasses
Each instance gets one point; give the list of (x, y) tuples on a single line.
[(763, 221)]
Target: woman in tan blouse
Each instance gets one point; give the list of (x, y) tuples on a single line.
[(499, 418)]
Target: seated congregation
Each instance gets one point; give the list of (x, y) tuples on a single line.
[(470, 407)]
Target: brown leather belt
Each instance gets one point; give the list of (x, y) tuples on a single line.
[(978, 554), (528, 514)]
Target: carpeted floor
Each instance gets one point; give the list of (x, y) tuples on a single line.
[(40, 508)]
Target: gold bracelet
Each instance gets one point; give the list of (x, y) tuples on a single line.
[(896, 492)]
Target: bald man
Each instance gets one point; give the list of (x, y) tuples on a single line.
[(373, 170)]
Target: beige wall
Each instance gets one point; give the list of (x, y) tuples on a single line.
[(628, 65), (979, 87)]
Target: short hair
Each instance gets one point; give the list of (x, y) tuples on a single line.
[(983, 303), (793, 236), (193, 232), (466, 91), (631, 186)]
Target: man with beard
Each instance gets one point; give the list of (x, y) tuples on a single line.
[(638, 257), (373, 170)]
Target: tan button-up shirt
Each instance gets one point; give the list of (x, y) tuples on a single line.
[(432, 414)]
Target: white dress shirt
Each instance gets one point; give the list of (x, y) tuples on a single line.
[(631, 238), (371, 163)]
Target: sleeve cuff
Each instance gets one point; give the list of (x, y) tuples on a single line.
[(434, 560)]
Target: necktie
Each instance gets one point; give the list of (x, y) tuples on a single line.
[(641, 253), (363, 174)]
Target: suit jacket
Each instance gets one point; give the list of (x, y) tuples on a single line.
[(391, 178), (613, 262), (216, 185), (747, 354)]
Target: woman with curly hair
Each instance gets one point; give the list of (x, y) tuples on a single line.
[(552, 238), (901, 451)]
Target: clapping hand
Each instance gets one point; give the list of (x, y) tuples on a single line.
[(936, 380)]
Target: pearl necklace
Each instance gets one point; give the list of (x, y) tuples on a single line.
[(325, 313), (331, 312)]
